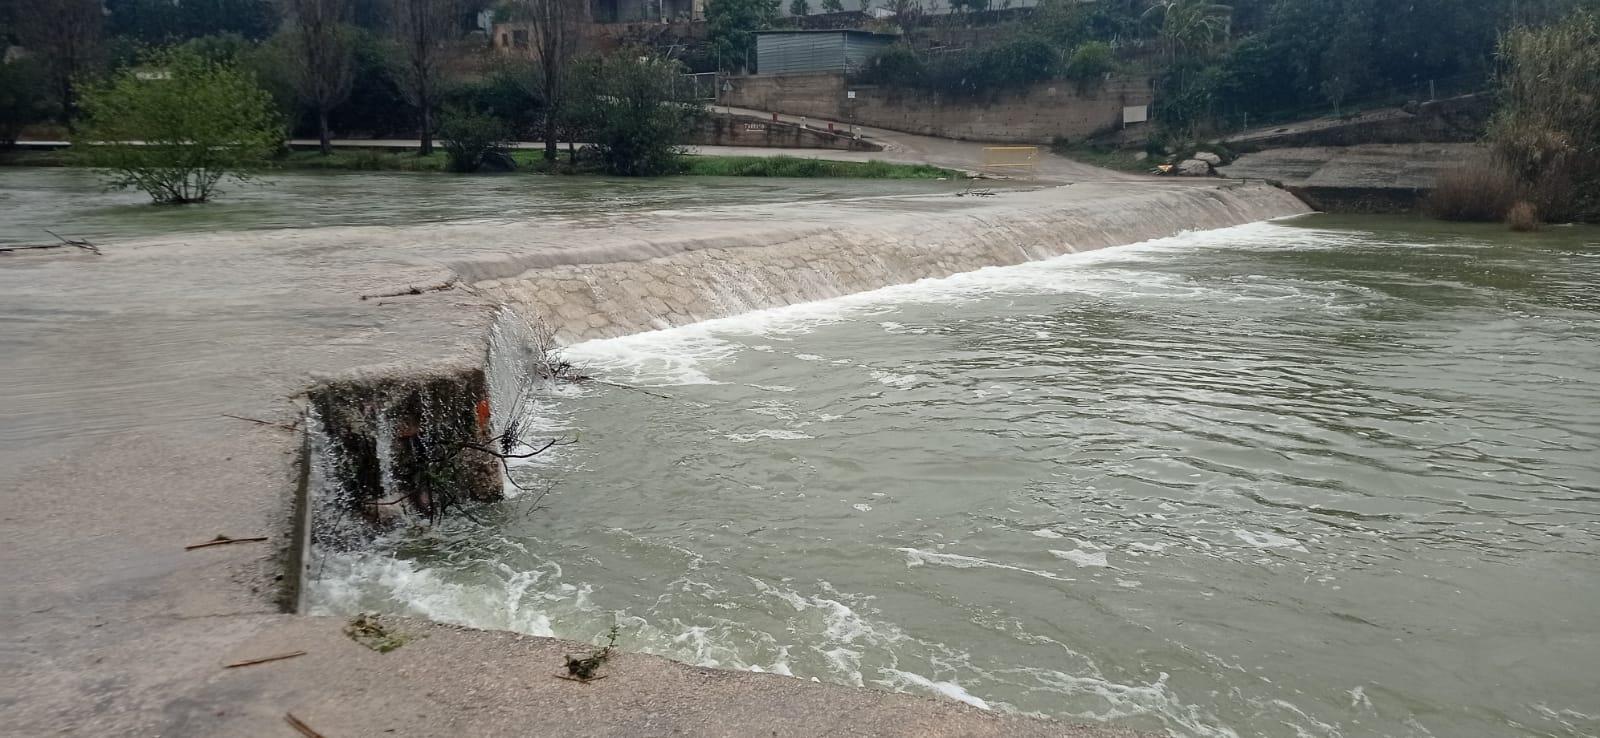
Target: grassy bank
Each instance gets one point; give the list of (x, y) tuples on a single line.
[(789, 166), (532, 161), (1122, 160)]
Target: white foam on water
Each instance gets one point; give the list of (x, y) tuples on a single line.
[(1081, 557), (1263, 539), (898, 680), (1047, 533), (768, 434), (918, 557), (687, 354)]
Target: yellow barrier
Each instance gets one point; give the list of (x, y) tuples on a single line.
[(1018, 158)]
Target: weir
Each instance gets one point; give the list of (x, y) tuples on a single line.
[(387, 443)]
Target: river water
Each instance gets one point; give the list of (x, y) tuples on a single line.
[(1325, 477), (73, 202)]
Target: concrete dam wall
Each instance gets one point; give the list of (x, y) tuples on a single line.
[(385, 439), (691, 280)]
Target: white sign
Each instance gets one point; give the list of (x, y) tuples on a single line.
[(1136, 114), (851, 94)]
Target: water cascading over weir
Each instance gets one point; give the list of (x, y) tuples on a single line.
[(386, 446)]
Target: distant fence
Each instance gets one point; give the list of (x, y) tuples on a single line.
[(702, 86)]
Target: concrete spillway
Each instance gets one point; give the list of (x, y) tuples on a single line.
[(380, 432), (154, 395)]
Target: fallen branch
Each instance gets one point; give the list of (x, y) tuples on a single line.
[(442, 286), (264, 660), (630, 388), (75, 243), (223, 541), (81, 243), (580, 681), (291, 427), (300, 726)]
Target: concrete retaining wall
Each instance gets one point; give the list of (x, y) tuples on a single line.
[(1035, 115), (724, 129)]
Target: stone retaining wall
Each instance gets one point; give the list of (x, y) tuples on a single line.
[(1036, 115)]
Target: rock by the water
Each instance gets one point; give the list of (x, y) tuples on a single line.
[(1194, 168), (1209, 158)]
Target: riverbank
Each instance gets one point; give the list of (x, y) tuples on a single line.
[(155, 401), (529, 161)]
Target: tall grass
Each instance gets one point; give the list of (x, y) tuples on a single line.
[(1481, 191)]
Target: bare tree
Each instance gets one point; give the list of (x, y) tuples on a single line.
[(557, 30), (324, 58), (66, 35), (423, 28)]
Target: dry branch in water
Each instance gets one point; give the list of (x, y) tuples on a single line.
[(442, 286), (73, 242)]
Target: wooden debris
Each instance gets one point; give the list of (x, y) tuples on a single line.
[(442, 286), (300, 726), (286, 426), (223, 541), (264, 659)]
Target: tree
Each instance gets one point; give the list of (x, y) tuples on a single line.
[(66, 35), (323, 55), (637, 120), (832, 6), (799, 8), (24, 98), (471, 137), (178, 126), (731, 27), (422, 28), (1191, 27), (1547, 128), (557, 29)]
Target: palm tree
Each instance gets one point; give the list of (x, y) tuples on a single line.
[(1192, 27)]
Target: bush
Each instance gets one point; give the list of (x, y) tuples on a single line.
[(1482, 191), (469, 137), (177, 135), (1548, 126), (1089, 65), (628, 101), (1523, 217)]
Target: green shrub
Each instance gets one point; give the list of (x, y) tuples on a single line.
[(179, 132), (1480, 191), (469, 137), (630, 102), (1089, 65)]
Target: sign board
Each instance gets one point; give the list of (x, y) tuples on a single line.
[(850, 94), (756, 127), (1136, 114), (150, 74)]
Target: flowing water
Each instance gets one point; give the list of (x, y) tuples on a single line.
[(1316, 478), (72, 202)]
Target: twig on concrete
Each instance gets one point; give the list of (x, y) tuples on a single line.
[(580, 681), (223, 541), (291, 427), (264, 660), (300, 726), (442, 286)]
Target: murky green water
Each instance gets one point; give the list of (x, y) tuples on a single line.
[(1330, 478), (74, 203)]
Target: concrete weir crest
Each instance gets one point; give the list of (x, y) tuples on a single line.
[(386, 446)]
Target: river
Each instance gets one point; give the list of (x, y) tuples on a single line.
[(74, 203), (1321, 477)]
